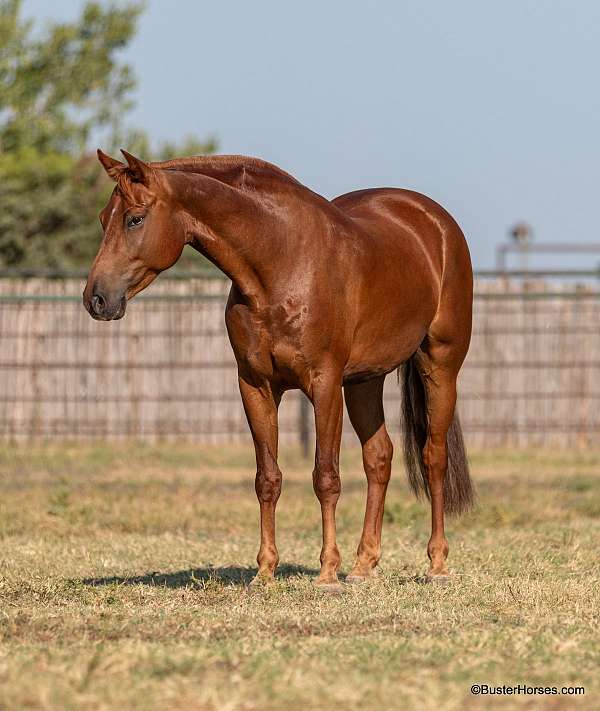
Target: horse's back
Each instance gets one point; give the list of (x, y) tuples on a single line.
[(409, 225)]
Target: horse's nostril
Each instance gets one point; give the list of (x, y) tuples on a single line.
[(98, 304)]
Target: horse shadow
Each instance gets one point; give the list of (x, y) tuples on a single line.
[(230, 575)]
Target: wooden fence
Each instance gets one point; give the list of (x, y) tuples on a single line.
[(532, 376)]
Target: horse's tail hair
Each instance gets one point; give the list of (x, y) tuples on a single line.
[(458, 488)]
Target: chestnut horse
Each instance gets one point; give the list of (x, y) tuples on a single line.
[(326, 296)]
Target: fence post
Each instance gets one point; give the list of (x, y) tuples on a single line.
[(303, 427)]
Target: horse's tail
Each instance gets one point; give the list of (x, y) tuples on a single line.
[(458, 489)]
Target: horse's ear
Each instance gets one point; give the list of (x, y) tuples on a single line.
[(112, 166), (139, 171)]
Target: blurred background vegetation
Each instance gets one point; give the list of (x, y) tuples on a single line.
[(61, 87)]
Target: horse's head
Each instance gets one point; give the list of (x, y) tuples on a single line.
[(144, 234)]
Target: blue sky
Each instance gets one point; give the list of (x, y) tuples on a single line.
[(493, 109)]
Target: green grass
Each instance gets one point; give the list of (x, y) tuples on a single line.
[(124, 571)]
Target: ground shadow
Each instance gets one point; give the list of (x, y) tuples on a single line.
[(232, 575)]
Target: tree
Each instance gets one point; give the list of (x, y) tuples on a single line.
[(57, 89)]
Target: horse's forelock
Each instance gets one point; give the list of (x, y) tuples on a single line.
[(125, 183)]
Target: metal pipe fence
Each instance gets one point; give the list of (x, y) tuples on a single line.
[(532, 376)]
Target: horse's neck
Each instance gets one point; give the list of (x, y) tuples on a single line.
[(229, 226)]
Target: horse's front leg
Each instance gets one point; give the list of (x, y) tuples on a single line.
[(328, 403), (260, 405)]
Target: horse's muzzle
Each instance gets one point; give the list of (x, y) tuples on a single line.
[(104, 307)]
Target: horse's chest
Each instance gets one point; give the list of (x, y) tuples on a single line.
[(268, 342)]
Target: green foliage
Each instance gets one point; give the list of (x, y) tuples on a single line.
[(57, 89), (49, 209)]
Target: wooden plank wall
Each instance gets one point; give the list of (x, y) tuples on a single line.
[(532, 377)]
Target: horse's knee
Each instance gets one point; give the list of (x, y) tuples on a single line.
[(377, 458), (327, 483), (268, 484)]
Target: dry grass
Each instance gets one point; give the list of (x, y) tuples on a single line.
[(123, 577)]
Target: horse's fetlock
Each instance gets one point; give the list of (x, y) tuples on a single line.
[(438, 549)]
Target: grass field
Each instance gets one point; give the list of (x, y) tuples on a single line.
[(124, 571)]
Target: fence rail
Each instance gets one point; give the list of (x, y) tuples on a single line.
[(532, 376)]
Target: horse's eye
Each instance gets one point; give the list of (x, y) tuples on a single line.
[(135, 220)]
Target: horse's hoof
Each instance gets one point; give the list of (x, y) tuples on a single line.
[(355, 579), (441, 580), (260, 582), (332, 588)]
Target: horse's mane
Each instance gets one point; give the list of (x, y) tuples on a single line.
[(242, 172), (223, 167)]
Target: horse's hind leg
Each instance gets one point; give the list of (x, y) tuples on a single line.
[(439, 379), (364, 402)]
